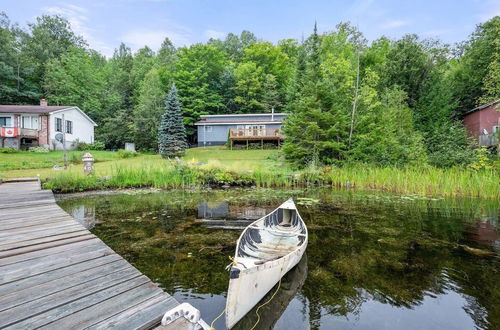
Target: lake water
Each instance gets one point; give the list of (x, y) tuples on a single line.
[(374, 260)]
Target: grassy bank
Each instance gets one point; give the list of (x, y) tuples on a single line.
[(426, 181), (219, 166), (35, 160), (30, 164)]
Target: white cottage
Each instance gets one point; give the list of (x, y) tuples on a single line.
[(23, 126)]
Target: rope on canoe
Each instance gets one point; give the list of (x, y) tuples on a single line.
[(267, 302), (215, 320), (228, 267)]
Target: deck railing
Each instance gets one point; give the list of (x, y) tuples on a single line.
[(255, 133), (487, 140), (28, 132)]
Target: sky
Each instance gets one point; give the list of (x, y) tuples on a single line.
[(104, 24)]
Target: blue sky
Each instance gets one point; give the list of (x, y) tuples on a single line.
[(138, 22)]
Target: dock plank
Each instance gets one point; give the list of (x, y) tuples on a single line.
[(54, 273)]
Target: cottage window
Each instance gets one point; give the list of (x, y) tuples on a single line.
[(58, 125), (208, 128), (5, 121), (29, 122), (69, 127)]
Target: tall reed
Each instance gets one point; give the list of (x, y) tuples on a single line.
[(427, 181)]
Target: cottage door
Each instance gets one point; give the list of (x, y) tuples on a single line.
[(256, 130)]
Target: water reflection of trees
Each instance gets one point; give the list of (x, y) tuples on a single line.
[(362, 246), (395, 255)]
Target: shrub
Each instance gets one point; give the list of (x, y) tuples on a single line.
[(481, 160), (83, 146), (8, 150), (127, 153), (38, 149)]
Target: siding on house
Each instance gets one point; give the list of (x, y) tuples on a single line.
[(485, 118), (214, 129), (83, 129)]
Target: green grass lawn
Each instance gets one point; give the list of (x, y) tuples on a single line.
[(30, 164)]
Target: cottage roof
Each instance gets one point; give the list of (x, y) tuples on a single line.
[(483, 106), (241, 118), (32, 108), (41, 109), (233, 122), (249, 115)]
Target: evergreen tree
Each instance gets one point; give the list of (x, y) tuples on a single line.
[(172, 133)]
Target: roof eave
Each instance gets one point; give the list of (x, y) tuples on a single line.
[(483, 106)]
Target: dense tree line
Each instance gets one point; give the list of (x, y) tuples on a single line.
[(385, 101)]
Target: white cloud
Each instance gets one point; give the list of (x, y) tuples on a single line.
[(214, 34), (77, 17), (154, 38), (392, 24)]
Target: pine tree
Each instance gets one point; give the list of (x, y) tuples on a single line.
[(172, 133)]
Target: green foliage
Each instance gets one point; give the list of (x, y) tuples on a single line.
[(82, 146), (77, 78), (248, 87), (172, 134), (422, 181), (481, 161), (126, 153), (376, 127), (198, 71), (50, 38), (404, 109), (148, 111), (7, 150), (407, 65), (16, 82), (476, 78), (449, 145), (38, 149)]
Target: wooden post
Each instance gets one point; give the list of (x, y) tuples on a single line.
[(231, 144), (262, 143), (247, 144), (64, 142)]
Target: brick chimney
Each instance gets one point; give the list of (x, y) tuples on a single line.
[(43, 102)]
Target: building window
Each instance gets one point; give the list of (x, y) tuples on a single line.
[(69, 127), (29, 122), (208, 128), (58, 125), (6, 121)]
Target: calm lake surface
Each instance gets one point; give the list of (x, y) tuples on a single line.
[(374, 260)]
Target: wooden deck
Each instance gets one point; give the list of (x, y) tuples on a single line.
[(257, 134), (55, 274)]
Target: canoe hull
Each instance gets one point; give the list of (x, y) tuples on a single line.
[(253, 284)]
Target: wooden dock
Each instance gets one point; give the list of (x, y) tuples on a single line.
[(55, 274)]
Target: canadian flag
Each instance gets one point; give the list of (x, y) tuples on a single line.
[(9, 131)]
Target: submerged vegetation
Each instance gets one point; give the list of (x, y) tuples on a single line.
[(398, 255), (425, 181)]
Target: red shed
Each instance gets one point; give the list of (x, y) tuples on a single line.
[(483, 122)]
